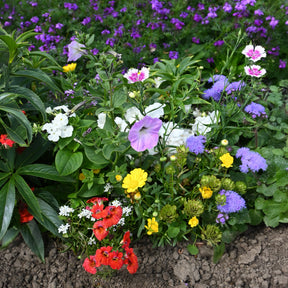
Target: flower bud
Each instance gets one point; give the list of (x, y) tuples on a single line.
[(224, 142), (240, 187), (227, 184)]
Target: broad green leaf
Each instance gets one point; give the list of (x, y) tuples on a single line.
[(118, 99), (256, 217), (11, 44), (44, 171), (28, 195), (32, 97), (173, 231), (68, 162), (51, 220), (14, 135), (39, 75), (8, 238), (33, 238), (192, 249), (108, 149), (97, 158), (95, 190), (7, 203)]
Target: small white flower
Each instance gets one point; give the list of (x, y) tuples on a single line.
[(107, 187), (66, 131), (65, 210), (158, 81), (101, 120), (126, 211), (60, 120), (85, 213), (49, 110), (63, 228), (116, 203), (91, 241), (54, 136), (62, 107)]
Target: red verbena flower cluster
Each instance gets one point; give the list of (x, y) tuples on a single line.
[(6, 141), (114, 259), (108, 217)]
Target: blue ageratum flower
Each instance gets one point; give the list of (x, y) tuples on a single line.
[(196, 144), (234, 202), (255, 110), (250, 160)]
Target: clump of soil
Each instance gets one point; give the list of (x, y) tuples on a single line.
[(257, 259)]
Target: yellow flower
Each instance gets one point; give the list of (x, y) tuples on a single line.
[(227, 160), (81, 176), (137, 196), (69, 67), (137, 178), (118, 178), (152, 226), (206, 192), (193, 222), (96, 171)]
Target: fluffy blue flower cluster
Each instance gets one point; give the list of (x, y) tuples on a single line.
[(255, 110), (250, 160), (196, 144), (220, 84), (234, 202)]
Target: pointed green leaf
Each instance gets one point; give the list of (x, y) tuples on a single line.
[(8, 238), (7, 203), (28, 195), (25, 35), (47, 56), (96, 157), (33, 238), (44, 171), (68, 162), (218, 252), (39, 75)]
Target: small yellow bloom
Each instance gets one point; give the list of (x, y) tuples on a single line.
[(152, 226), (118, 178), (227, 160), (96, 171), (136, 179), (193, 222), (81, 176), (206, 192), (69, 67), (137, 196)]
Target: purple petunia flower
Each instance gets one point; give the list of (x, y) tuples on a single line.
[(234, 202), (75, 51), (250, 160), (144, 134), (256, 110), (196, 144)]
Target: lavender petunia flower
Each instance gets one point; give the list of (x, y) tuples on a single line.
[(256, 110), (144, 134), (234, 202), (196, 144), (75, 51), (250, 160)]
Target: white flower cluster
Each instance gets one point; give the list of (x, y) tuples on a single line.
[(85, 213), (59, 126), (65, 210), (63, 228)]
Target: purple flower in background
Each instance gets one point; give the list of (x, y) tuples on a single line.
[(216, 78), (178, 24), (86, 21), (258, 12), (196, 144), (75, 51), (210, 60), (282, 64), (197, 18), (235, 86), (173, 54), (273, 21), (227, 7), (110, 42), (256, 110), (195, 40), (250, 160), (234, 202), (34, 19), (222, 218), (59, 26), (219, 43), (144, 134), (94, 51)]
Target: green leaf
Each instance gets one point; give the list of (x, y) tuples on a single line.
[(118, 99), (256, 217), (44, 171), (47, 56), (68, 162), (32, 97), (8, 238), (95, 190), (25, 35), (39, 75), (96, 157), (33, 238), (267, 190), (28, 195), (218, 252), (11, 44), (50, 219), (192, 249), (173, 231), (7, 203), (14, 135)]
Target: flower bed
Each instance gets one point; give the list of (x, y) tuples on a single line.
[(184, 141)]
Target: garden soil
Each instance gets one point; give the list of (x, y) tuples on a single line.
[(257, 258)]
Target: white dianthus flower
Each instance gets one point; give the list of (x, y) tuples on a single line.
[(63, 228), (65, 210)]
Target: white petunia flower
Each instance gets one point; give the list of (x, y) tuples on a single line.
[(201, 124), (101, 120), (66, 131), (60, 120), (65, 210), (121, 124), (133, 114), (63, 228), (155, 110)]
